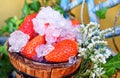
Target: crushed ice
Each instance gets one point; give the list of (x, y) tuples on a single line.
[(58, 27), (44, 49), (17, 40), (72, 60)]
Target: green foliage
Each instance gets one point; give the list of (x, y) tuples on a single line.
[(58, 2), (29, 8), (5, 65), (12, 24), (25, 9), (35, 5), (3, 49), (58, 8), (47, 2), (112, 65), (101, 13), (84, 65)]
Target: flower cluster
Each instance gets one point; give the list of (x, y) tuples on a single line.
[(93, 48)]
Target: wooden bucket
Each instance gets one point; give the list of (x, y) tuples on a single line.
[(117, 74), (28, 68)]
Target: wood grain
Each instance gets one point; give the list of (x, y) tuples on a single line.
[(42, 70)]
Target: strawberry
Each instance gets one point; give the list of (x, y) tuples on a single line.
[(75, 22), (27, 25), (29, 49), (62, 51)]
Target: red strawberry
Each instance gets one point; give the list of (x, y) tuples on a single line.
[(63, 50), (75, 22), (27, 25), (29, 49)]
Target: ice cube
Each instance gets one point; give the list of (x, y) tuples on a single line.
[(17, 40), (72, 60), (44, 49), (39, 27), (67, 34), (40, 59), (53, 31), (56, 32), (50, 39)]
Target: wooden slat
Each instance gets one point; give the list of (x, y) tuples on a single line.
[(17, 75), (42, 70)]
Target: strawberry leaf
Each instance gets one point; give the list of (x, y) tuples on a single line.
[(101, 13)]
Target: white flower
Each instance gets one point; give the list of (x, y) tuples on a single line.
[(91, 45), (93, 39), (107, 53), (92, 75), (101, 58), (82, 52), (99, 71), (98, 58), (94, 48), (100, 42), (95, 66), (93, 59)]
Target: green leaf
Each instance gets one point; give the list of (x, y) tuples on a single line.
[(112, 65), (115, 58), (12, 24), (5, 65), (57, 2), (101, 13), (110, 71), (47, 2), (58, 8), (113, 62), (35, 5), (11, 19), (105, 76), (4, 29), (3, 49), (0, 33), (18, 22), (11, 27), (25, 10)]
